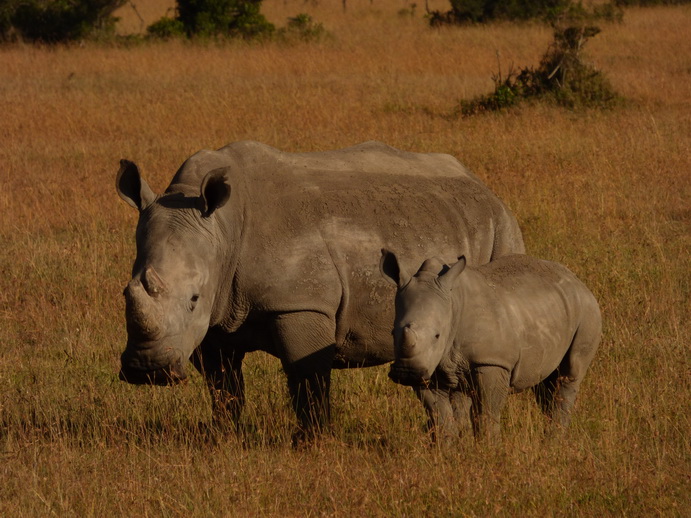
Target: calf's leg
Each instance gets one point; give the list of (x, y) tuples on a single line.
[(440, 415), (490, 389), (573, 368), (556, 394), (462, 403)]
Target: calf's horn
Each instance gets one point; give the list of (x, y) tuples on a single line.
[(408, 340), (153, 284)]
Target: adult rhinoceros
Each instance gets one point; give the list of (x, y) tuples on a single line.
[(250, 248)]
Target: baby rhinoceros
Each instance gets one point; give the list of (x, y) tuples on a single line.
[(474, 335)]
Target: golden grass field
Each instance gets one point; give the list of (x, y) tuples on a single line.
[(608, 193)]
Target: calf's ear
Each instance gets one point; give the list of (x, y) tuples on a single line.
[(215, 191), (449, 278), (391, 269), (131, 186)]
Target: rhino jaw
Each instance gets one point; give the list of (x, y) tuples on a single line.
[(170, 375), (138, 368), (405, 375)]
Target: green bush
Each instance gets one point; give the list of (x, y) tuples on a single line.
[(482, 11), (302, 28), (210, 18), (166, 28), (646, 3), (561, 77), (6, 10), (53, 21)]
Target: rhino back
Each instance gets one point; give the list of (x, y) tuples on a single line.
[(525, 315)]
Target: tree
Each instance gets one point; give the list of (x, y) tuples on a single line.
[(54, 21)]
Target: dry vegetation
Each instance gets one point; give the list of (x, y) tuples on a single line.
[(607, 193)]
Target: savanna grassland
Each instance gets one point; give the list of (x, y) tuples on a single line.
[(607, 193)]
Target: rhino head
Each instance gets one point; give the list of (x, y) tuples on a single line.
[(170, 298), (422, 330)]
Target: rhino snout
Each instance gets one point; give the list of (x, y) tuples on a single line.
[(406, 375), (168, 375), (142, 366)]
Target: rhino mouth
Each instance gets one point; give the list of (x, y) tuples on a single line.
[(163, 376), (407, 376)]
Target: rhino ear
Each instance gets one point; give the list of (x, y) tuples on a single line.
[(131, 186), (449, 278), (215, 191), (391, 269)]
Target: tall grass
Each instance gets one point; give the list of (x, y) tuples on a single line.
[(606, 193)]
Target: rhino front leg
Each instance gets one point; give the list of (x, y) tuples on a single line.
[(462, 404), (491, 388), (441, 422), (221, 366), (306, 341)]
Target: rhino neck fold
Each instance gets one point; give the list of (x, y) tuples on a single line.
[(228, 310)]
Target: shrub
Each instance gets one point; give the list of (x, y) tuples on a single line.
[(302, 28), (53, 21), (166, 28), (209, 18), (482, 11), (561, 77), (646, 3)]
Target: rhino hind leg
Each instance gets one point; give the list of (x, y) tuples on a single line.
[(221, 367), (306, 345), (544, 392), (556, 395)]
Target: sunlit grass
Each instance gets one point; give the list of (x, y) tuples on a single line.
[(605, 193)]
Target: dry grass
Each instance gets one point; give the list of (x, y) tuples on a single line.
[(606, 193)]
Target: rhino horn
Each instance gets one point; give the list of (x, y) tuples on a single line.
[(408, 340), (152, 282), (144, 315)]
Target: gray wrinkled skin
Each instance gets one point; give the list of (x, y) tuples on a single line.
[(471, 336), (250, 248)]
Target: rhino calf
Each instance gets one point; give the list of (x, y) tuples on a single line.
[(474, 335)]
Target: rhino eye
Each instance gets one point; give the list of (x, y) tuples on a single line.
[(193, 301), (436, 337)]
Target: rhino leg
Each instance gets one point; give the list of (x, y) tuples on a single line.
[(221, 367), (545, 391), (306, 343), (557, 394), (441, 422), (491, 386), (462, 411)]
